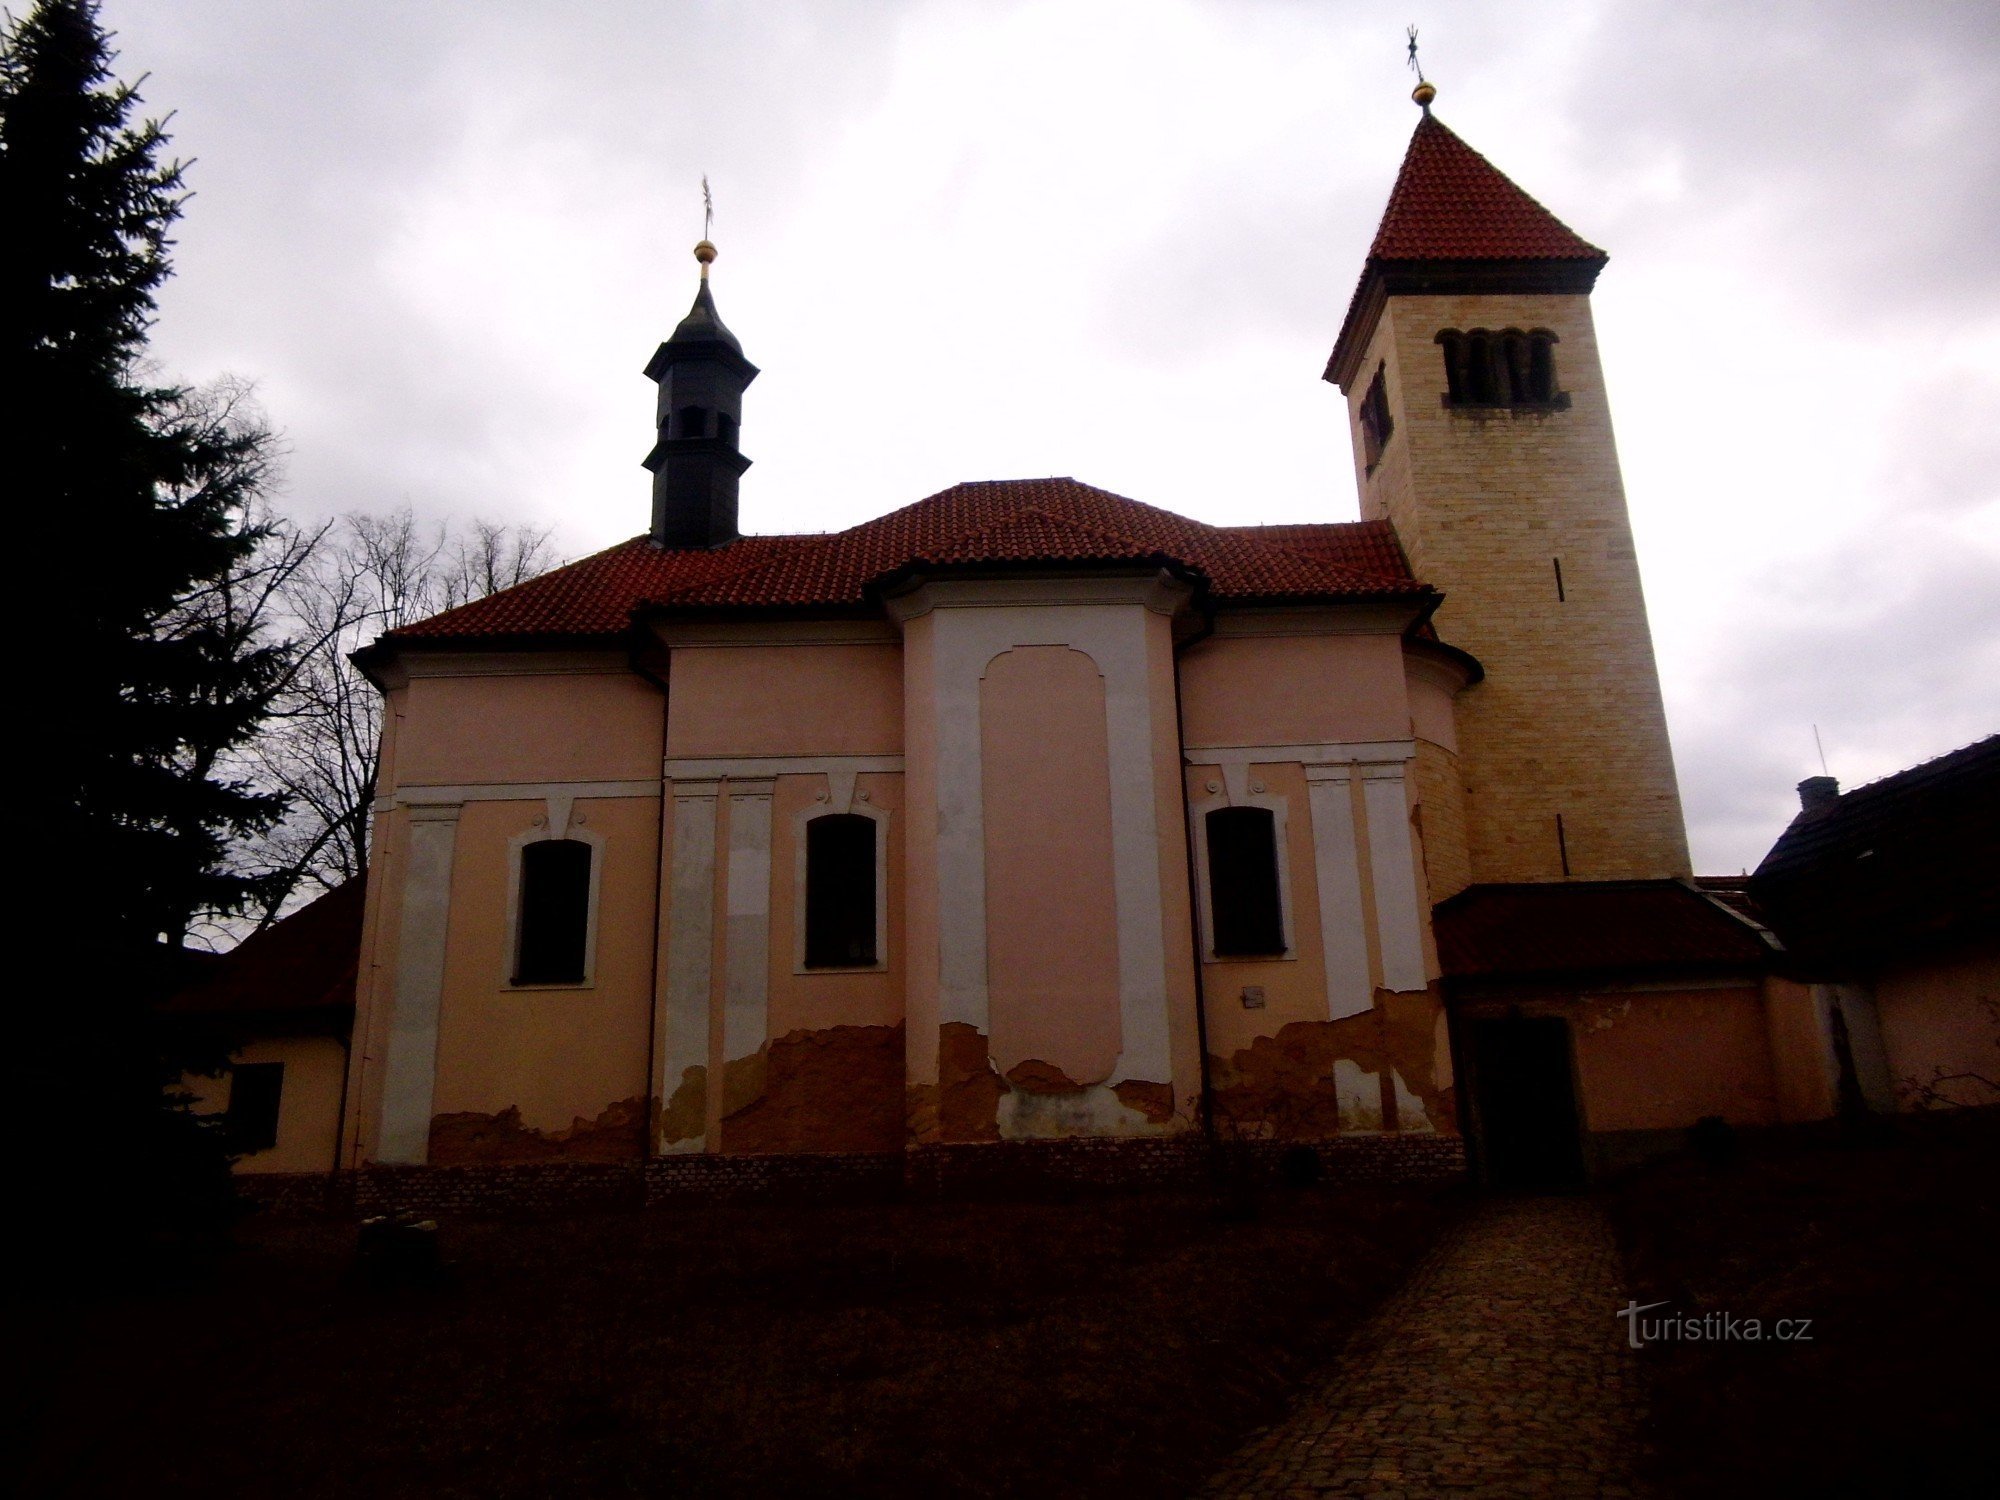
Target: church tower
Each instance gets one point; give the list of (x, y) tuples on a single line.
[(1482, 432), (696, 465)]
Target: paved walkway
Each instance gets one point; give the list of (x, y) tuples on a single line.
[(1498, 1369)]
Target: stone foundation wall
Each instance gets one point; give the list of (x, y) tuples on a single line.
[(1013, 1168)]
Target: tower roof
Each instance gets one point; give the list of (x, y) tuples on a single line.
[(1457, 223), (1451, 203), (703, 325)]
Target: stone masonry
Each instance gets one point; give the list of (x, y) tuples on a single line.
[(1486, 501)]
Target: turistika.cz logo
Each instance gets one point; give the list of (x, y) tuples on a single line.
[(1708, 1328)]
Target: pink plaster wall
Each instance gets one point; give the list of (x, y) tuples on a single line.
[(1302, 689), (1294, 986), (1943, 1016), (786, 700), (1661, 1060), (802, 1000), (558, 1054), (1801, 1056), (1051, 916), (596, 726)]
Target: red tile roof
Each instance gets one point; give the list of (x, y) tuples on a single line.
[(1575, 928), (1891, 868), (1455, 222), (1019, 522), (305, 962), (1451, 203)]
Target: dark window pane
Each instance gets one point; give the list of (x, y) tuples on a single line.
[(555, 912), (252, 1120), (1243, 881), (840, 891)]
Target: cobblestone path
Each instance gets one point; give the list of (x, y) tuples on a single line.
[(1499, 1369)]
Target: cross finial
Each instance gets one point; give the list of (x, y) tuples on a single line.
[(1425, 91), (705, 252)]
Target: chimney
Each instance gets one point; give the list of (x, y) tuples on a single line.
[(1817, 793)]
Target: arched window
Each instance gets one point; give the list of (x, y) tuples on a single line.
[(1506, 368), (840, 892), (1376, 423), (691, 422), (725, 428), (1244, 900), (553, 926)]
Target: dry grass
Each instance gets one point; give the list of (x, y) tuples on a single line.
[(1889, 1246), (1090, 1348)]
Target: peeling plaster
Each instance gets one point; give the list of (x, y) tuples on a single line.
[(837, 1089), (617, 1133), (684, 1121), (1316, 1079)]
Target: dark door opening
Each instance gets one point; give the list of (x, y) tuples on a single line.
[(1528, 1136)]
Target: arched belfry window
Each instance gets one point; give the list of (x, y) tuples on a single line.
[(1376, 423), (691, 422), (1501, 368), (840, 930), (552, 925), (1246, 903)]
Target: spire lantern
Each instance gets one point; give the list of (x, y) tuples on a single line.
[(695, 463)]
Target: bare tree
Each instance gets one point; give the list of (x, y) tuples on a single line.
[(365, 575)]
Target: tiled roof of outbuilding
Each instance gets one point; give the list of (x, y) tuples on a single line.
[(996, 522), (1892, 865), (307, 961), (1589, 927)]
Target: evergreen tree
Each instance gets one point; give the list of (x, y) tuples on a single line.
[(145, 680)]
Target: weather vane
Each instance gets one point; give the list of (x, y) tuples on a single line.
[(1415, 66), (708, 202), (1425, 91)]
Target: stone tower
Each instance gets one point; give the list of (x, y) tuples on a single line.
[(696, 464), (1482, 432)]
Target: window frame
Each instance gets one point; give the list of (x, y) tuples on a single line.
[(510, 952), (1279, 807), (232, 1129), (860, 806)]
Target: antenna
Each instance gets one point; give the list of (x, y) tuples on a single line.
[(1822, 752)]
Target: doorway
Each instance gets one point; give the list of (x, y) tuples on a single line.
[(1528, 1131)]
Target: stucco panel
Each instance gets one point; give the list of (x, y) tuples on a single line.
[(547, 727), (1296, 689), (558, 1054), (786, 700)]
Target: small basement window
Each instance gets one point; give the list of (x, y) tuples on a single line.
[(553, 926), (840, 892), (251, 1121), (1245, 906)]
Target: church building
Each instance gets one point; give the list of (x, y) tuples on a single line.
[(1030, 818)]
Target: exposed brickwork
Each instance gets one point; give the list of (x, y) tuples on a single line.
[(1569, 719), (1499, 1369), (971, 1170)]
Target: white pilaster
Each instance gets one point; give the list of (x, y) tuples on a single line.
[(409, 1076), (1342, 917), (683, 1020), (747, 940), (1398, 919)]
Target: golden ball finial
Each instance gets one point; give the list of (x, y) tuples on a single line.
[(1424, 92), (704, 252)]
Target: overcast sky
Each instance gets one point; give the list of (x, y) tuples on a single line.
[(1115, 241)]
